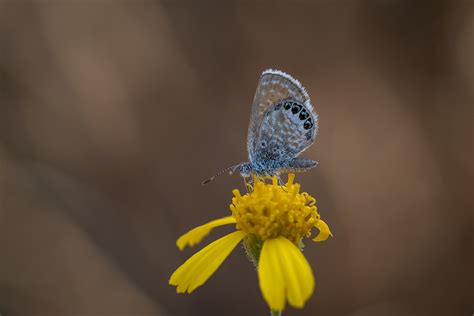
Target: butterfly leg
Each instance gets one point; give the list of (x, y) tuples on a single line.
[(280, 181), (248, 184)]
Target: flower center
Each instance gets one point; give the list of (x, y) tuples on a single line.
[(271, 210)]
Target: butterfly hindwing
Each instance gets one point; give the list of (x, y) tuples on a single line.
[(287, 129)]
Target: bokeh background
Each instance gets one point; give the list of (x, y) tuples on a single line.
[(111, 114)]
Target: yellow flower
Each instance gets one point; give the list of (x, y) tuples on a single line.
[(272, 220)]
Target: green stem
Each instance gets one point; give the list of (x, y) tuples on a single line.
[(275, 313)]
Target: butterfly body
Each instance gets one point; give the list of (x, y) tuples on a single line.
[(282, 125)]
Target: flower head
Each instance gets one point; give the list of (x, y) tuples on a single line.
[(270, 211), (272, 220)]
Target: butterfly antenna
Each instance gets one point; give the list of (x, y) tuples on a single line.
[(231, 169)]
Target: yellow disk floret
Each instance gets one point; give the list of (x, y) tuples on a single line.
[(271, 210)]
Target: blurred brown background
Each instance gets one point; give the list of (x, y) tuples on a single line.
[(112, 113)]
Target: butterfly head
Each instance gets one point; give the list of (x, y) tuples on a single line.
[(245, 169)]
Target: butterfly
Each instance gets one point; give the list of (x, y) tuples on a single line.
[(282, 125)]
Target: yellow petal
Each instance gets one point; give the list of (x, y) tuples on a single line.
[(284, 274), (270, 276), (197, 269), (324, 231), (195, 235)]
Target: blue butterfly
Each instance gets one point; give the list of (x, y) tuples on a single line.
[(283, 124)]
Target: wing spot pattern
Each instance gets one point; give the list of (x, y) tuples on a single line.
[(308, 123), (296, 108), (303, 115)]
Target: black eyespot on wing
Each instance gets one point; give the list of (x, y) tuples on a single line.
[(263, 143), (296, 108), (303, 115), (287, 105), (308, 124)]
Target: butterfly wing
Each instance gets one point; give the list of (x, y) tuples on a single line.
[(287, 129), (274, 86)]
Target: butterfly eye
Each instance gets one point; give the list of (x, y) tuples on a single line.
[(287, 105), (296, 108), (303, 114)]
